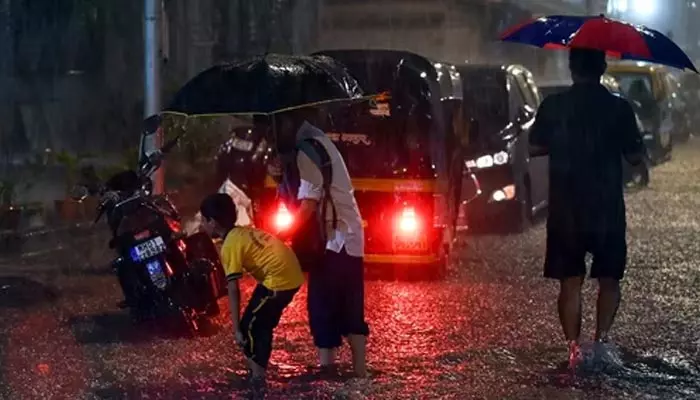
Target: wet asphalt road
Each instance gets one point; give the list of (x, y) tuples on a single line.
[(488, 332)]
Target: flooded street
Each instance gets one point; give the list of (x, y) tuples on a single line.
[(489, 331)]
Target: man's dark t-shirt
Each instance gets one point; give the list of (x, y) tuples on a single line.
[(586, 131)]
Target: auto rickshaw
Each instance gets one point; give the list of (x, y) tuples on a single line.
[(633, 175), (690, 93), (650, 89), (396, 150)]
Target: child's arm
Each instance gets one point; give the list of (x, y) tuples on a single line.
[(232, 260), (234, 298)]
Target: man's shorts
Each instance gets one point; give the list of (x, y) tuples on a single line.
[(260, 318), (337, 299), (566, 254)]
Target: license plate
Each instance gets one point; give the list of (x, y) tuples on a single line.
[(148, 249), (154, 268), (410, 244)]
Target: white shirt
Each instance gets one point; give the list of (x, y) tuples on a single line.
[(349, 232)]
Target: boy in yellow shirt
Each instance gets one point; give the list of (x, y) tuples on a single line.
[(269, 261)]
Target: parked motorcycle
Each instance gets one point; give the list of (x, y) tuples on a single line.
[(163, 272)]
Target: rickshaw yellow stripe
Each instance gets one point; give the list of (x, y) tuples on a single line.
[(400, 259), (270, 183), (394, 185), (382, 185)]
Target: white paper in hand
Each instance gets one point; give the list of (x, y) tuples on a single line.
[(241, 200), (192, 225)]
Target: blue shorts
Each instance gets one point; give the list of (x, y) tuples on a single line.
[(336, 299)]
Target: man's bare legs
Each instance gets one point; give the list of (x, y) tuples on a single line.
[(326, 357), (358, 344), (608, 302), (569, 306)]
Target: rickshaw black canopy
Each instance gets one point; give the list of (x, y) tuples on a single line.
[(265, 85), (408, 140), (379, 71)]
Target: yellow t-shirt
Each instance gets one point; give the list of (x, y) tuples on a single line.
[(262, 255)]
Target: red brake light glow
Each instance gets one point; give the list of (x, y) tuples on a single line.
[(142, 235), (283, 218), (408, 221), (174, 225)]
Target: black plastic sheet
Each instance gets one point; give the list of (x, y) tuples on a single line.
[(268, 84)]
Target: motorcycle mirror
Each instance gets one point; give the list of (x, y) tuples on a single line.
[(151, 124), (523, 115), (79, 193)]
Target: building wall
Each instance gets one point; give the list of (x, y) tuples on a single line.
[(410, 25), (448, 30), (71, 74)]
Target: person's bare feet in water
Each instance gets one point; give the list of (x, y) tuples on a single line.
[(358, 345), (575, 356), (569, 307)]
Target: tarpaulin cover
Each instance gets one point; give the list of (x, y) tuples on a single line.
[(268, 84)]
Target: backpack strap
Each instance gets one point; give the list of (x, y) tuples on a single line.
[(289, 184), (315, 150)]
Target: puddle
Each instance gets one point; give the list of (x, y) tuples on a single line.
[(668, 374), (18, 292)]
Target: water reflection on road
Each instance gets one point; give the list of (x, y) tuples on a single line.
[(488, 331)]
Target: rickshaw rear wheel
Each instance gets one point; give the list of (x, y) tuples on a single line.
[(439, 269)]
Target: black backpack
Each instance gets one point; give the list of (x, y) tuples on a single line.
[(309, 241)]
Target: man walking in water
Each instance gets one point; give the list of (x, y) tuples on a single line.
[(586, 131)]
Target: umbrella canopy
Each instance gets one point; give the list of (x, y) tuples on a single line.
[(617, 38), (265, 85)]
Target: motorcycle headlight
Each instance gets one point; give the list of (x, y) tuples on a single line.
[(500, 158), (484, 161)]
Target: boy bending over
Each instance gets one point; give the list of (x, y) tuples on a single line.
[(269, 261)]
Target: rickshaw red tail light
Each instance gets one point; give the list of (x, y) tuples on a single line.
[(282, 219), (408, 221)]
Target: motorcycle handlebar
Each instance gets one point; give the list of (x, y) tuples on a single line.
[(107, 198), (154, 160)]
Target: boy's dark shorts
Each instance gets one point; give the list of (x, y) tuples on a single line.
[(566, 254), (337, 299), (260, 318)]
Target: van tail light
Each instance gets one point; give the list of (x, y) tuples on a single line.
[(282, 219), (408, 222)]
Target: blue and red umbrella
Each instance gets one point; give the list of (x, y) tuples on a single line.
[(616, 38)]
